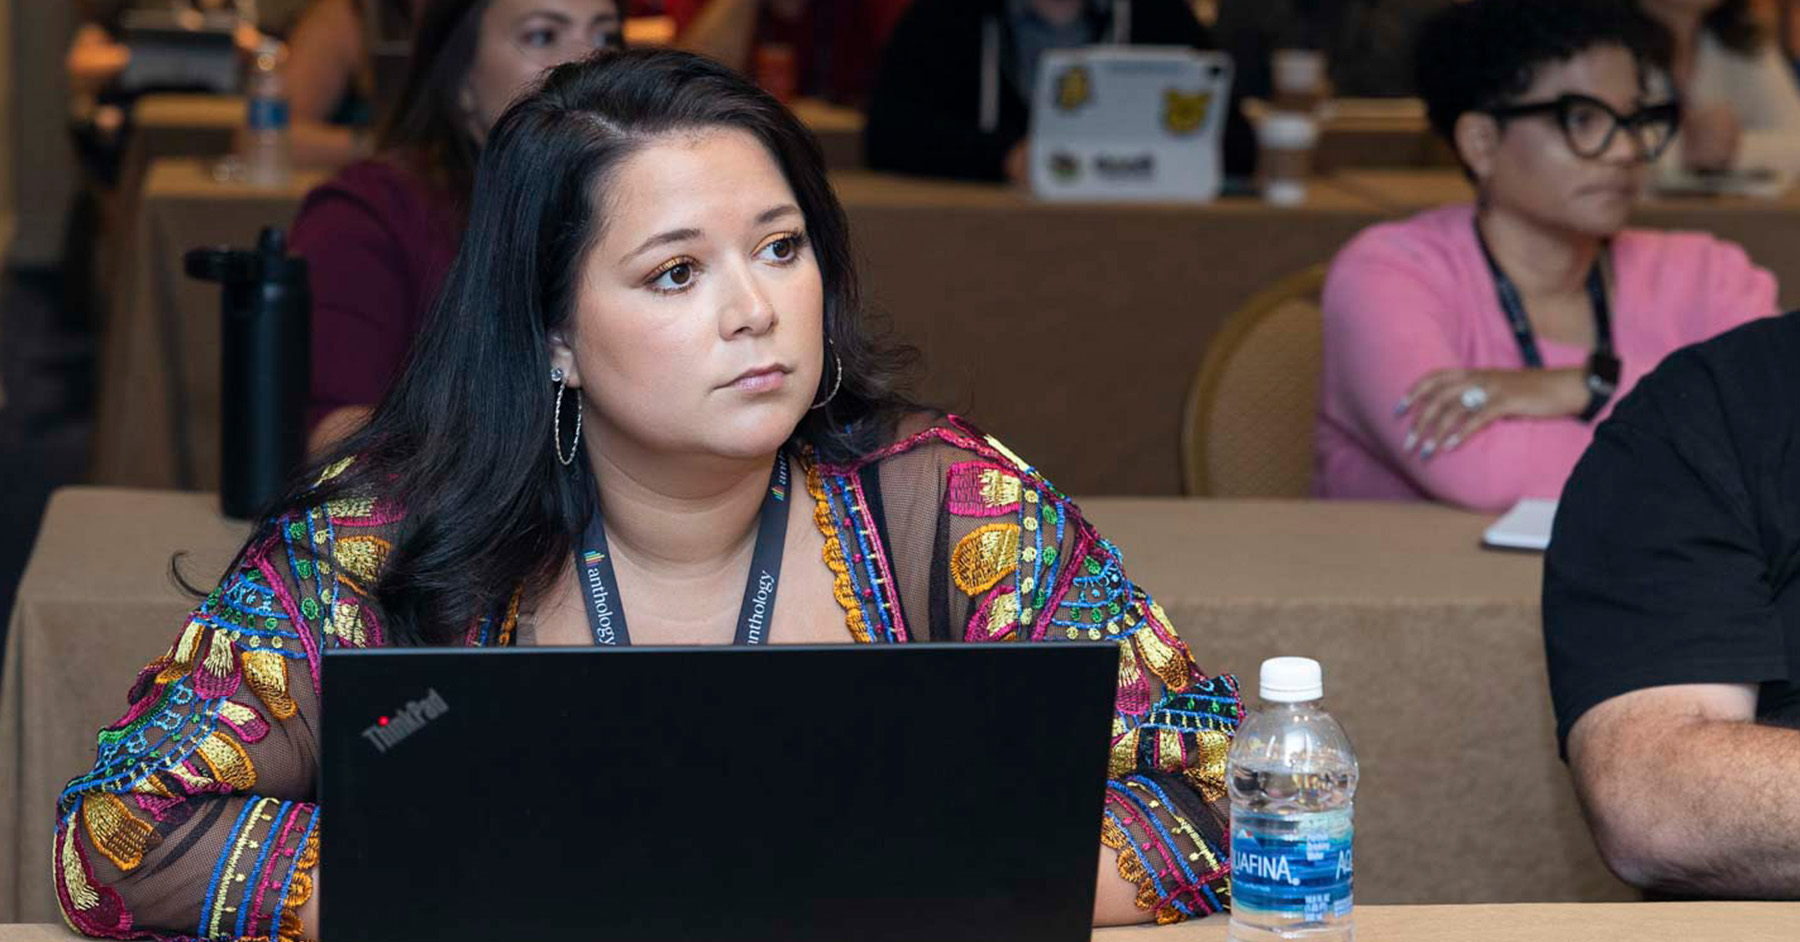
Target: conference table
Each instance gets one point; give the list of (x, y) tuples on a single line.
[(1431, 648), (157, 412), (189, 125), (181, 125), (1073, 330), (1545, 922), (1768, 229)]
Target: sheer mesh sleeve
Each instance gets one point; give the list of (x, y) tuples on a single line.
[(981, 548), (199, 820)]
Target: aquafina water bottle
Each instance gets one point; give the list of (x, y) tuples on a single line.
[(1293, 778)]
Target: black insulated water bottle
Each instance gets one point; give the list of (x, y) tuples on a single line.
[(265, 369)]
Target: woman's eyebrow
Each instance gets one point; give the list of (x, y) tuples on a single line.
[(663, 238), (770, 215)]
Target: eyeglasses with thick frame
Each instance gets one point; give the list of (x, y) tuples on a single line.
[(1589, 124)]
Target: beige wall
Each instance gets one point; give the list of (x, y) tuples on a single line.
[(36, 128)]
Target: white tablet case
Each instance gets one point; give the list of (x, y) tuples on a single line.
[(1129, 123)]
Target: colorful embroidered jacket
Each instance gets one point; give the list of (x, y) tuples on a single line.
[(198, 820)]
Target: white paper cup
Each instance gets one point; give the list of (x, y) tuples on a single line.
[(1285, 160)]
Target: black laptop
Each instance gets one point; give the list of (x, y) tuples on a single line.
[(928, 793)]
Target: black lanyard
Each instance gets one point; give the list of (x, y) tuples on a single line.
[(606, 610), (1514, 308)]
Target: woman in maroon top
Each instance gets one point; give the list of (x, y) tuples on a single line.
[(379, 237)]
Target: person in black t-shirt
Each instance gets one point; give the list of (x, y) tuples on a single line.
[(1672, 621)]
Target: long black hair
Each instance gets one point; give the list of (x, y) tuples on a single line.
[(462, 443), (426, 127)]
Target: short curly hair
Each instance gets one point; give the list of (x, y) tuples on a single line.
[(1483, 53)]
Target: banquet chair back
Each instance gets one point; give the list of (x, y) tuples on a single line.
[(1248, 428)]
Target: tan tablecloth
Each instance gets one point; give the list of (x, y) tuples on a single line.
[(1769, 229), (158, 412), (203, 126), (1431, 649), (1544, 922), (1373, 132), (1073, 331), (839, 130), (96, 603), (181, 126)]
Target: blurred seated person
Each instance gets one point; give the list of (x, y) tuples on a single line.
[(330, 76), (98, 54), (1672, 622), (836, 44), (380, 236), (1367, 43), (1469, 350), (953, 96), (1740, 105), (326, 69), (1784, 16)]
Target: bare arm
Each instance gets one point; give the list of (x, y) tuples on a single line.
[(723, 31), (337, 425), (1115, 901), (309, 912), (324, 55), (1686, 793), (94, 59)]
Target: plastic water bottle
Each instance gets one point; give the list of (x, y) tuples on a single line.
[(266, 158), (1293, 778)]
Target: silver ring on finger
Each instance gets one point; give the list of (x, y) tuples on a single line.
[(1474, 398)]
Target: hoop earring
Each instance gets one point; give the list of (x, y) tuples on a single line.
[(836, 384), (561, 381)]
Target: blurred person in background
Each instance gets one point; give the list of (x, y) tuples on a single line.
[(327, 72), (330, 72), (1469, 350), (98, 54), (1740, 104), (829, 48), (930, 112), (380, 236)]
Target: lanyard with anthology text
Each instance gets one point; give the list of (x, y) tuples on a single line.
[(600, 585)]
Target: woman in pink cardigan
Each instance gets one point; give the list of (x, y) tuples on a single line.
[(1469, 350)]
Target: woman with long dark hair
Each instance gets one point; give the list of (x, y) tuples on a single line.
[(380, 236), (654, 314)]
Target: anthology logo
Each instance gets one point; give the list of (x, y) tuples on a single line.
[(389, 731), (759, 607)]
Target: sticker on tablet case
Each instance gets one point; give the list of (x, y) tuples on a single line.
[(1184, 113), (1074, 88)]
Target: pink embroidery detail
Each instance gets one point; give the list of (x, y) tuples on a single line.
[(882, 569), (963, 490), (108, 919), (307, 642)]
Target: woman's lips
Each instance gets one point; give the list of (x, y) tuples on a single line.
[(760, 380)]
